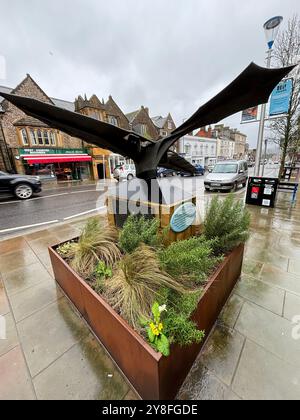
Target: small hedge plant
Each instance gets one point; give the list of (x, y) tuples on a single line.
[(226, 223), (189, 260), (137, 230)]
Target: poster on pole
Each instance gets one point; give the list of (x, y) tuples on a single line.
[(250, 114), (281, 98)]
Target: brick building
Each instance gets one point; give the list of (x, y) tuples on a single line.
[(141, 123), (29, 146)]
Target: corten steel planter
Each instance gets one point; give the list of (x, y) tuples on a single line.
[(154, 376)]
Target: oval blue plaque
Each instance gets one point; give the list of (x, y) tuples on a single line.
[(183, 217)]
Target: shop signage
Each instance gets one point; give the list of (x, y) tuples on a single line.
[(27, 152)]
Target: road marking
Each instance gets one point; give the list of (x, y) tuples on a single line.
[(29, 226), (78, 192), (85, 212), (47, 196)]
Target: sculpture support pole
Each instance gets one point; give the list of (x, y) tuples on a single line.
[(261, 128)]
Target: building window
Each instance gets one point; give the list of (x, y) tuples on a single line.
[(52, 138), (164, 134), (24, 137), (143, 129), (187, 149), (33, 137), (112, 120), (94, 115), (40, 137), (46, 138)]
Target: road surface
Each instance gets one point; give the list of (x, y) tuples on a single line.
[(65, 204)]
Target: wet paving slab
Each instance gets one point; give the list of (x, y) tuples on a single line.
[(251, 354)]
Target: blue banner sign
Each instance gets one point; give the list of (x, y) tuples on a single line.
[(281, 98)]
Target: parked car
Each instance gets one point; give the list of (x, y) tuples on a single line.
[(22, 186), (200, 171), (210, 167), (126, 171), (163, 172), (227, 176)]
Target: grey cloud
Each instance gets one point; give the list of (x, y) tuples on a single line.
[(168, 55)]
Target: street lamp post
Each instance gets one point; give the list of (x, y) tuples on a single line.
[(271, 28)]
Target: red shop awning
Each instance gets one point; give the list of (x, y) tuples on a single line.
[(56, 159)]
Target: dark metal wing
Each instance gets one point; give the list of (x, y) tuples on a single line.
[(174, 161), (89, 129), (251, 88)]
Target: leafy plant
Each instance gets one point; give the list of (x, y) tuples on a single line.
[(97, 243), (178, 326), (227, 223), (66, 250), (136, 284), (191, 259), (137, 230), (154, 328), (101, 273)]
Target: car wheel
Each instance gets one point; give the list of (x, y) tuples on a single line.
[(207, 189), (129, 177), (235, 187), (23, 191)]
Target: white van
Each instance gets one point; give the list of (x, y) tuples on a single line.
[(124, 171)]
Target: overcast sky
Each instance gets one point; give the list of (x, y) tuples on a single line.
[(169, 55)]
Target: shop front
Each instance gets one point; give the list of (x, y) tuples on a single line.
[(59, 164)]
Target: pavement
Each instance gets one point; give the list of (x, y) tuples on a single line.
[(252, 353)]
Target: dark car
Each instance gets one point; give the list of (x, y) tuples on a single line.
[(199, 171), (22, 186), (162, 172)]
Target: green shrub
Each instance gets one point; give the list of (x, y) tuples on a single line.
[(227, 223), (189, 260), (137, 230), (178, 326), (102, 272)]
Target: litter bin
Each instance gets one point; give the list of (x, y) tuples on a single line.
[(262, 191)]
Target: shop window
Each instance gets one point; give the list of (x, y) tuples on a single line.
[(52, 138), (46, 138), (24, 137), (40, 137), (33, 137)]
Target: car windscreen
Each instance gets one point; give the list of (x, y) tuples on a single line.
[(226, 168)]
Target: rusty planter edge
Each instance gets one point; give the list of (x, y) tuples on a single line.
[(153, 376)]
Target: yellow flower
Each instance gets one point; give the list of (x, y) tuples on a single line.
[(160, 327), (155, 330)]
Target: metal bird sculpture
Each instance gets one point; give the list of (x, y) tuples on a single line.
[(251, 88)]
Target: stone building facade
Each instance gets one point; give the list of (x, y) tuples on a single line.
[(231, 142), (32, 147), (29, 146)]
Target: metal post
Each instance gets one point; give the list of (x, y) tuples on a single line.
[(261, 127), (265, 157)]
